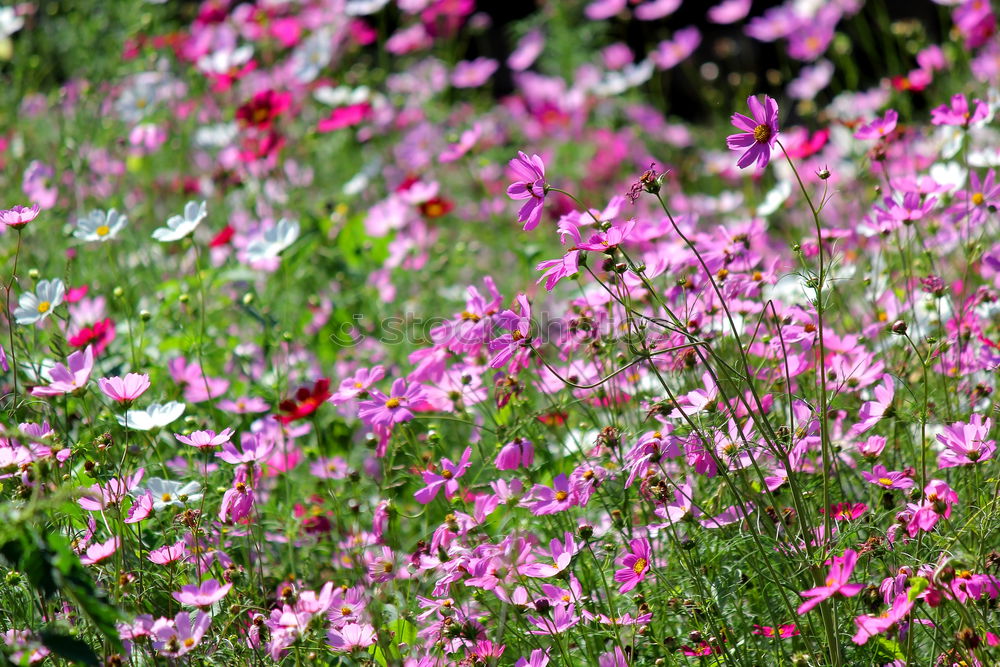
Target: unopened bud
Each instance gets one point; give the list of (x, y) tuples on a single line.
[(899, 327)]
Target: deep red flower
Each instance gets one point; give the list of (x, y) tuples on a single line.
[(263, 108), (305, 403), (100, 335), (223, 237), (436, 207)]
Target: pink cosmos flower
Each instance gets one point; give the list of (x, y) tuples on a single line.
[(759, 133), (937, 503), (244, 405), (784, 631), (672, 52), (473, 73), (836, 582), (124, 390), (351, 637), (17, 217), (958, 113), (67, 379), (357, 385), (205, 439), (98, 552), (346, 116), (527, 51), (635, 564), (238, 500), (886, 479), (141, 508), (967, 443), (538, 658), (530, 185), (729, 11), (869, 626), (169, 553), (382, 410), (873, 411), (879, 127), (176, 637), (447, 478), (205, 595)]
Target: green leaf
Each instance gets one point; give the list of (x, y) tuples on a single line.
[(75, 650), (917, 586), (402, 632)]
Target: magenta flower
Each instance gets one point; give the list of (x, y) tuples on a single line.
[(238, 500), (519, 336), (531, 186), (351, 637), (447, 478), (550, 500), (958, 113), (759, 133), (559, 620), (967, 443), (672, 52), (382, 410), (67, 379), (205, 595), (562, 554), (17, 217), (888, 479), (635, 564), (124, 390), (177, 636), (729, 11), (879, 127), (836, 582), (515, 454), (205, 439)]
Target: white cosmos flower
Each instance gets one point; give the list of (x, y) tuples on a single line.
[(155, 416), (276, 239), (100, 226), (364, 7), (10, 22), (35, 307), (179, 226), (166, 492)]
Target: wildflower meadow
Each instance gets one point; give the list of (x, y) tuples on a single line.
[(441, 332)]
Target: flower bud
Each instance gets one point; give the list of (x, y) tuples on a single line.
[(899, 327)]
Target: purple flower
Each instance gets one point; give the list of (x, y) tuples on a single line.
[(384, 410), (759, 135), (635, 564), (530, 185), (958, 113), (71, 377), (887, 479), (447, 478), (519, 338), (175, 637), (879, 127)]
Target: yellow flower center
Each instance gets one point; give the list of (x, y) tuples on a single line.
[(885, 481), (392, 403), (447, 474), (561, 495), (978, 198), (189, 642), (345, 611), (166, 497), (103, 230), (470, 317), (640, 566), (761, 133), (44, 306)]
